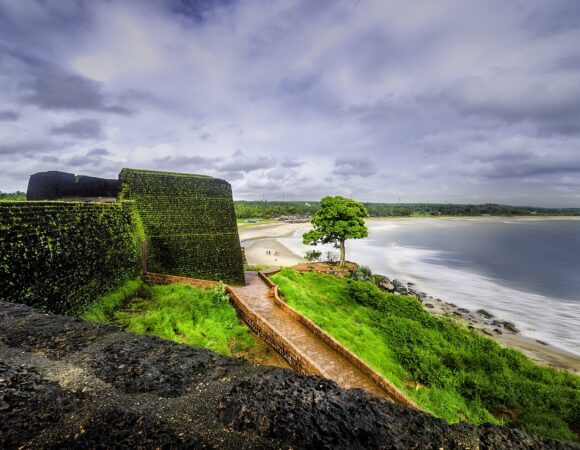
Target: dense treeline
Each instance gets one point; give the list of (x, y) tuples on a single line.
[(17, 196), (265, 209)]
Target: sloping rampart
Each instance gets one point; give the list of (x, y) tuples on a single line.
[(190, 224)]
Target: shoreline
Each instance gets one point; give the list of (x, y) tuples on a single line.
[(263, 237)]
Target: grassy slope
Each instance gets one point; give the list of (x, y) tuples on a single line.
[(180, 313), (450, 371)]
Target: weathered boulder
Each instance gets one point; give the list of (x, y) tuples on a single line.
[(386, 285), (510, 326), (400, 287)]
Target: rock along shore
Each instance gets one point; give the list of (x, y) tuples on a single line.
[(65, 383), (504, 332)]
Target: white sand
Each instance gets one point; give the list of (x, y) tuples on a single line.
[(264, 248), (269, 230), (256, 254)]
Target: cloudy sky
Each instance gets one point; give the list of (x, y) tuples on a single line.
[(434, 101)]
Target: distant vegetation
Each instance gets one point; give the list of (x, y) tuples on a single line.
[(269, 209), (452, 372), (266, 209), (17, 196)]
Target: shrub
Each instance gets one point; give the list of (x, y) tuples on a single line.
[(364, 293), (313, 255), (362, 273), (331, 257)]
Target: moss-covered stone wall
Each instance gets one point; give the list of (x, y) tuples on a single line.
[(61, 256), (190, 224)]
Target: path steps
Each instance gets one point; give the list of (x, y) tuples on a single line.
[(256, 295)]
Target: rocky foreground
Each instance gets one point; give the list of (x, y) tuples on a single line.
[(65, 383)]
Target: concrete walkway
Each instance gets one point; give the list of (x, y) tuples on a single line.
[(256, 296)]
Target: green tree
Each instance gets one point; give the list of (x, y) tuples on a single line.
[(337, 220)]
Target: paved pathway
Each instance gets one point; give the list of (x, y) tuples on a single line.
[(256, 295)]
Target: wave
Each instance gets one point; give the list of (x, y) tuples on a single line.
[(540, 317), (537, 316)]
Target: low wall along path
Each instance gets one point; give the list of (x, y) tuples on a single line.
[(307, 348)]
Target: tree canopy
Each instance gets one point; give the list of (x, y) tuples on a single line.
[(337, 220)]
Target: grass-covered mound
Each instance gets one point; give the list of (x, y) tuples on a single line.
[(449, 370), (180, 313)]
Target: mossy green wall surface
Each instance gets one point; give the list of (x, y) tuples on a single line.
[(63, 255), (190, 223)]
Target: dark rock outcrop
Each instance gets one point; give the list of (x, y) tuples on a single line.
[(386, 285), (510, 326), (400, 287), (68, 384)]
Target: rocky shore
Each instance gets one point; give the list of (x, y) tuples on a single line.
[(65, 383), (505, 332)]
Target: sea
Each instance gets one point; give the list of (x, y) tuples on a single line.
[(524, 270)]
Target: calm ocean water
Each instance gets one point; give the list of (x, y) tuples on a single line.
[(523, 270)]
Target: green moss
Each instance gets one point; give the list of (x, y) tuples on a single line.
[(189, 221), (449, 370), (61, 256)]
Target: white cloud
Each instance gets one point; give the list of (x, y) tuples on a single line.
[(390, 95)]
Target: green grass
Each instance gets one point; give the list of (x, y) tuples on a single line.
[(102, 311), (257, 267), (180, 313), (452, 372), (242, 223)]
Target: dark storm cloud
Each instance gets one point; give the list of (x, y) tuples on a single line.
[(289, 163), (195, 10), (452, 99), (53, 89), (570, 62), (9, 116), (362, 167), (21, 148), (523, 167), (80, 129), (516, 97), (559, 17), (99, 152), (92, 158), (17, 148)]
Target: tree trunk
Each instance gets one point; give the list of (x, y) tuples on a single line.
[(342, 253)]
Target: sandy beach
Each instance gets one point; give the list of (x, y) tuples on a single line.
[(263, 248), (545, 354)]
